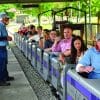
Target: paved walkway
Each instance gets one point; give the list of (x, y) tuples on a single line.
[(20, 88)]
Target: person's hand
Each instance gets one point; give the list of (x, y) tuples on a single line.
[(57, 39), (88, 69), (48, 49), (9, 38), (62, 58)]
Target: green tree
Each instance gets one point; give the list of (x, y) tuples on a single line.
[(84, 5)]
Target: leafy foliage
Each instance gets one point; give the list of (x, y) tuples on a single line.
[(82, 4)]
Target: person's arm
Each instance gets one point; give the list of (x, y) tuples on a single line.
[(9, 38), (62, 58), (67, 52), (63, 55), (48, 49), (86, 69), (41, 43), (84, 63), (3, 38), (4, 34), (80, 68), (6, 38), (56, 46)]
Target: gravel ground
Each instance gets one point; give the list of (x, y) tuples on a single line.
[(40, 87)]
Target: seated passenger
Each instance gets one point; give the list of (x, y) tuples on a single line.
[(90, 62), (38, 35), (44, 38), (22, 31), (32, 29), (77, 50), (30, 36), (46, 33), (49, 42), (64, 45)]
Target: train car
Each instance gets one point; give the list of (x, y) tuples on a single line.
[(78, 88), (75, 86)]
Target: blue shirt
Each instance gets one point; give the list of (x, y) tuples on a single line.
[(3, 33), (92, 58)]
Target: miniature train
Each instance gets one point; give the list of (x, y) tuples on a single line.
[(75, 87)]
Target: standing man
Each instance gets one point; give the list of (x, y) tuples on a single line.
[(4, 38)]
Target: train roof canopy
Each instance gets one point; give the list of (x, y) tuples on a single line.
[(33, 1)]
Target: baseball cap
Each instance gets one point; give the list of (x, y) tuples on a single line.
[(98, 37), (3, 15)]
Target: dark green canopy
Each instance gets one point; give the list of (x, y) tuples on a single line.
[(33, 1)]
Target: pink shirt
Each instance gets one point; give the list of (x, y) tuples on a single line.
[(62, 46)]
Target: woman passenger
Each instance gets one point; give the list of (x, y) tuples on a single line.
[(77, 51)]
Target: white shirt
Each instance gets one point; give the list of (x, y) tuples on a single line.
[(35, 37)]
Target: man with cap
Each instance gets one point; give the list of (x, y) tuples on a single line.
[(90, 62), (4, 38)]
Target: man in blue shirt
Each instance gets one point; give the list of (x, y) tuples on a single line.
[(90, 63), (4, 38)]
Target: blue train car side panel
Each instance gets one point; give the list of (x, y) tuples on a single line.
[(80, 89)]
